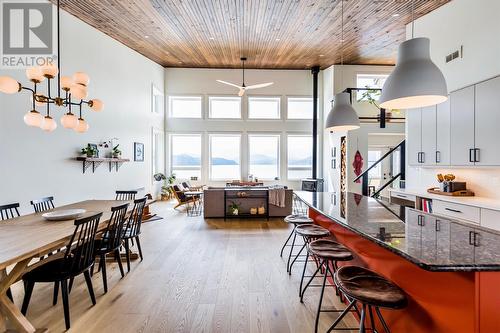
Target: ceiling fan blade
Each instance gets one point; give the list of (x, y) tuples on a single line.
[(241, 92), (262, 85), (229, 83)]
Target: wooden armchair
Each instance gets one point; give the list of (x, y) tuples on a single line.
[(190, 187), (181, 198)]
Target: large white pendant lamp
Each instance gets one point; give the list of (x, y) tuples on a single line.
[(342, 116), (416, 81)]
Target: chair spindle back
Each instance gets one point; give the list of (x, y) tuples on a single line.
[(126, 195), (9, 211), (43, 204)]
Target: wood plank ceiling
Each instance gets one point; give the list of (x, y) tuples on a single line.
[(292, 34)]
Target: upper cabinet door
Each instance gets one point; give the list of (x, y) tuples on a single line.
[(462, 126), (414, 136), (442, 155), (487, 122), (428, 155)]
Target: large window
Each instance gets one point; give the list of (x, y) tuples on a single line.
[(224, 107), (225, 156), (264, 107), (300, 108), (370, 81), (299, 154), (264, 155), (184, 106), (185, 155)]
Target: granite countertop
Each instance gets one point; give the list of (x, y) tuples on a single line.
[(475, 201), (444, 245)]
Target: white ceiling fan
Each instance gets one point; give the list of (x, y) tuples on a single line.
[(244, 88)]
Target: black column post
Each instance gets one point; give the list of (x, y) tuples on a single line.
[(315, 71)]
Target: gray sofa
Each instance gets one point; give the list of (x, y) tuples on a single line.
[(213, 204)]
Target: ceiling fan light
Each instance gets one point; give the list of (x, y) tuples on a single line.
[(415, 81), (342, 116)]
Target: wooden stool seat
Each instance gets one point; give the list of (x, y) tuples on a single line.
[(312, 231), (298, 219), (330, 250), (370, 288)]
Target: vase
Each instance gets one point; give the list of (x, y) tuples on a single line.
[(235, 211)]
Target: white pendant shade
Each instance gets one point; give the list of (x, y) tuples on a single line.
[(342, 116), (8, 85), (48, 124), (69, 120), (415, 81), (35, 74), (96, 105), (33, 118), (82, 126)]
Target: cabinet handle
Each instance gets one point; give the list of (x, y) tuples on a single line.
[(471, 235), (420, 220), (470, 155), (476, 239), (476, 154), (438, 225), (418, 158), (438, 156), (452, 210), (423, 157)]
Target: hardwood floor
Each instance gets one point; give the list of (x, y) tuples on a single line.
[(197, 276)]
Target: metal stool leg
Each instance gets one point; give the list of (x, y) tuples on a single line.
[(286, 242), (362, 319), (372, 322), (342, 315), (298, 255), (308, 283), (316, 323), (386, 328), (290, 253), (303, 273)]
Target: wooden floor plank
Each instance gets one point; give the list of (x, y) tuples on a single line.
[(197, 276)]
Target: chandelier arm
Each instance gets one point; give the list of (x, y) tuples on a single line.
[(27, 88), (58, 51)]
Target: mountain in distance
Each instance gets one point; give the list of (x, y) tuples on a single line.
[(223, 161), (260, 159), (303, 161), (185, 159)]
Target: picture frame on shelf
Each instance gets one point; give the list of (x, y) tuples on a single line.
[(138, 152), (94, 147)]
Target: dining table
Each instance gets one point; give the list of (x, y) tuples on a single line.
[(26, 239)]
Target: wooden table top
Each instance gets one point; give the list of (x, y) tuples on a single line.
[(30, 235)]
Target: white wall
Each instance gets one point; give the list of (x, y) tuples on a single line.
[(34, 163), (473, 24), (476, 26), (293, 83), (335, 80)]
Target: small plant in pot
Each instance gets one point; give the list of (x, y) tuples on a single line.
[(171, 178), (89, 151), (234, 208), (115, 152)]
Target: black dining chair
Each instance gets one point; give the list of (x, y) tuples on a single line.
[(125, 195), (132, 229), (43, 204), (111, 241), (8, 212), (77, 259)]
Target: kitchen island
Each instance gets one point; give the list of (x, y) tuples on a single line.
[(449, 269)]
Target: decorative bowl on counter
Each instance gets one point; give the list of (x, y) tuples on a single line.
[(63, 215)]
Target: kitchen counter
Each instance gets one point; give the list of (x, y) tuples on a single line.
[(448, 269), (470, 201), (384, 224)]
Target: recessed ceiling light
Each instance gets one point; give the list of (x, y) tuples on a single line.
[(146, 36), (321, 55), (395, 15), (277, 39), (180, 62), (211, 38)]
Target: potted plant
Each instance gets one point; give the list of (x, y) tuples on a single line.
[(89, 151), (115, 152), (171, 178), (234, 208)]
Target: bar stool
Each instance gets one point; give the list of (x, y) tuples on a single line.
[(309, 232), (328, 252), (295, 220), (361, 285)]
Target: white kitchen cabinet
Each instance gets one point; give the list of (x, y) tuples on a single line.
[(442, 155), (487, 120), (462, 126), (429, 130), (414, 136)]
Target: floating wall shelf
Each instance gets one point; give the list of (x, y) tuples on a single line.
[(95, 162)]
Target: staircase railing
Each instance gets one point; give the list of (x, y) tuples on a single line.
[(401, 175)]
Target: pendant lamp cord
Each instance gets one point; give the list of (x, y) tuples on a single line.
[(243, 34), (412, 19), (342, 42), (58, 52)]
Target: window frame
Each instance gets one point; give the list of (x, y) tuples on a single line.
[(288, 108), (224, 134), (278, 98), (265, 134), (170, 109), (170, 153), (288, 168), (379, 166), (359, 93), (209, 115)]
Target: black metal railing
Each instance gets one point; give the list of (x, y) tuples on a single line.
[(401, 175)]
